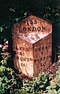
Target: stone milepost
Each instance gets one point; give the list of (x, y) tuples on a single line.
[(32, 42)]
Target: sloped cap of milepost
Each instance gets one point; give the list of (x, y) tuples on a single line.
[(32, 29)]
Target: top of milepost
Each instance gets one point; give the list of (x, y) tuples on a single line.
[(32, 28)]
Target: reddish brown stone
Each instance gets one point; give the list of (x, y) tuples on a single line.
[(32, 42)]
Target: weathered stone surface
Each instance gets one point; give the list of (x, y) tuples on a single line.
[(32, 42)]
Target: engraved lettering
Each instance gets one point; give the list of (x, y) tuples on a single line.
[(27, 49), (43, 48), (40, 59), (21, 53), (21, 58), (31, 59), (37, 60), (34, 60), (31, 22), (35, 22), (22, 64), (29, 28), (39, 48), (24, 59), (27, 22), (41, 52), (19, 48), (24, 28), (17, 57), (38, 28), (44, 28), (33, 28), (27, 59), (43, 58)]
